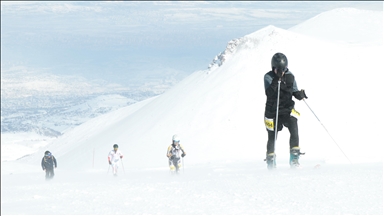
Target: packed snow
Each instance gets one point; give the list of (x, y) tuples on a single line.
[(215, 188), (218, 114)]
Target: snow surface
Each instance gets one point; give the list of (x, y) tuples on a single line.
[(216, 188), (343, 21), (219, 115)]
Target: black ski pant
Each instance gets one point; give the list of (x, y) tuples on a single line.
[(291, 123), (49, 173)]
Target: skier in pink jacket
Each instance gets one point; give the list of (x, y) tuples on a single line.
[(114, 157)]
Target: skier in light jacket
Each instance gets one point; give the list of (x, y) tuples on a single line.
[(114, 157), (174, 152)]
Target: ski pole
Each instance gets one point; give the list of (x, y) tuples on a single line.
[(122, 165), (277, 112), (327, 131), (168, 165)]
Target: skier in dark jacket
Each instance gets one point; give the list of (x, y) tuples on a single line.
[(48, 164), (287, 115)]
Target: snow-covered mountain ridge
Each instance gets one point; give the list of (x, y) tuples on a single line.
[(262, 39), (219, 116), (366, 26), (342, 19), (215, 111), (218, 107)]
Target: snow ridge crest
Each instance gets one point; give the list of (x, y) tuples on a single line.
[(250, 41)]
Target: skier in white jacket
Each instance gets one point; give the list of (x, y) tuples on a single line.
[(114, 157), (174, 152)]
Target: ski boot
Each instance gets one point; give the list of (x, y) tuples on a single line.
[(271, 161), (294, 157)]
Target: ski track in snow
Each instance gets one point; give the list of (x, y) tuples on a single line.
[(226, 188)]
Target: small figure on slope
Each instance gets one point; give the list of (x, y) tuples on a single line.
[(174, 152), (114, 157), (48, 163), (287, 115)]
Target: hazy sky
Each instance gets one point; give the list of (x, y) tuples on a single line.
[(121, 41)]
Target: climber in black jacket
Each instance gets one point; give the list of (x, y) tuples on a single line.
[(287, 115), (48, 163)]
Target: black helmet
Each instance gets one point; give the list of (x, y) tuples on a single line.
[(280, 62), (115, 146), (46, 153)]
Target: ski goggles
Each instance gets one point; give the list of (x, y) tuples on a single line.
[(281, 70)]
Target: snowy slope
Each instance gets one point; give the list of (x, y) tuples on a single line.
[(219, 115), (217, 189), (349, 25)]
